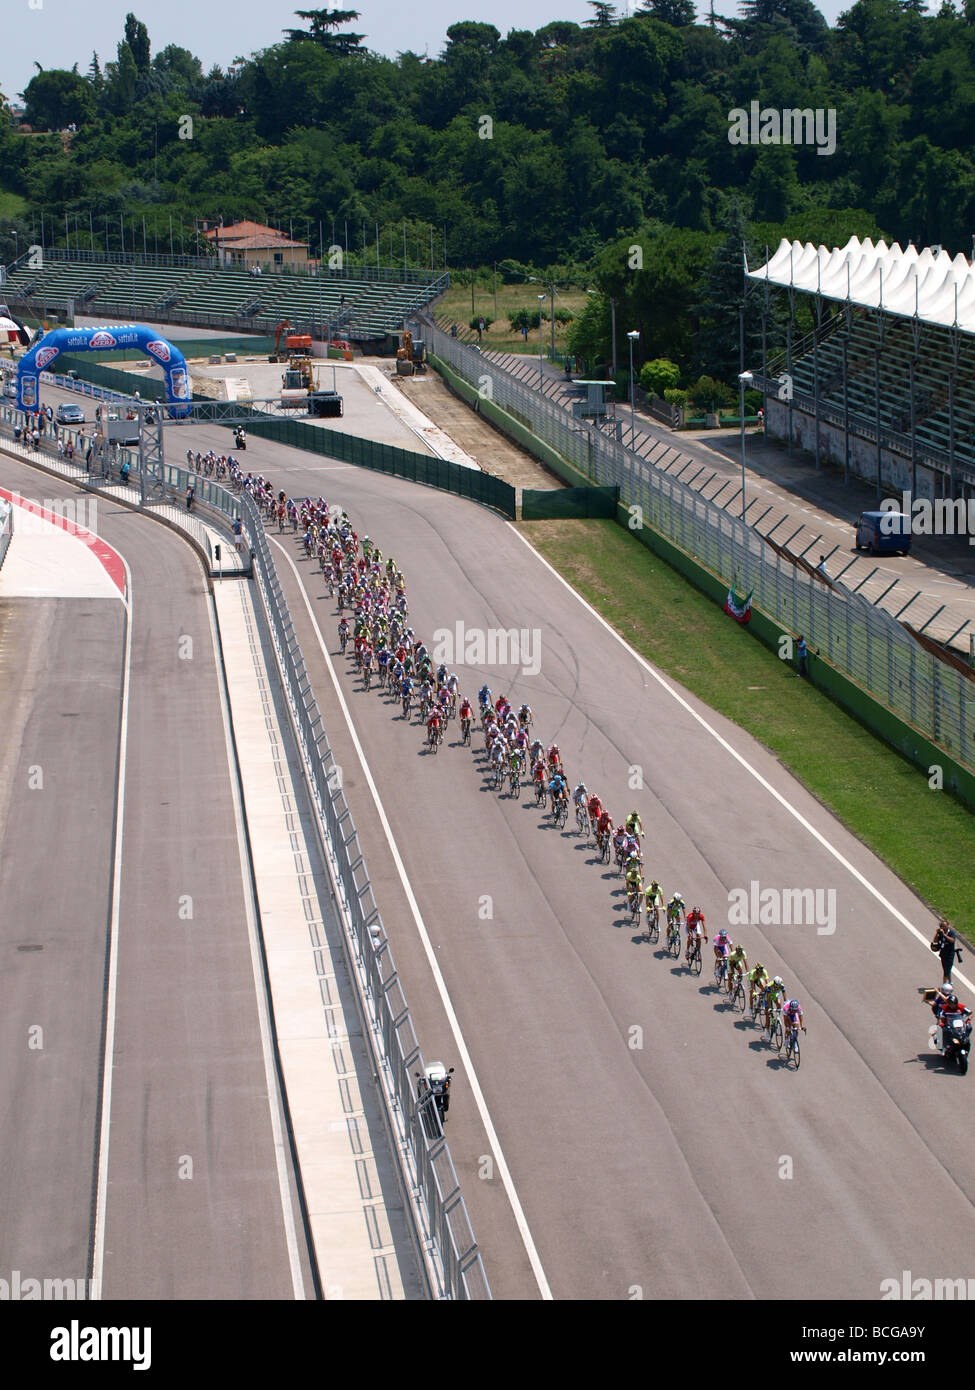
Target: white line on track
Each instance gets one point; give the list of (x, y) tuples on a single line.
[(260, 981), (463, 1053), (111, 992), (738, 757)]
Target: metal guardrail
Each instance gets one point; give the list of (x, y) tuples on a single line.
[(863, 642), (6, 529), (398, 275), (445, 1230)]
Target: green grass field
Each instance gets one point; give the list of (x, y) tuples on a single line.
[(456, 304), (929, 843), (11, 205)]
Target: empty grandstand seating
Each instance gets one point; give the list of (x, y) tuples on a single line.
[(371, 308), (931, 357)]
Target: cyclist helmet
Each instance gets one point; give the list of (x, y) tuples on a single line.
[(952, 998), (678, 898), (722, 935), (778, 980), (792, 1004)]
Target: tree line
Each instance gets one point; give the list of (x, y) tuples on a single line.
[(561, 147)]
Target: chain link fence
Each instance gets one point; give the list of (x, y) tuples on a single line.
[(863, 642)]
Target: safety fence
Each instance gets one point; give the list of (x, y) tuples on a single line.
[(6, 529), (451, 1254), (865, 643)]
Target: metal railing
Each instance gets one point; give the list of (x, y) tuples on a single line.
[(445, 1234), (6, 529), (862, 641), (400, 275)]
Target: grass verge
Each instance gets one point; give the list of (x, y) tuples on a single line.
[(926, 837), (11, 205)]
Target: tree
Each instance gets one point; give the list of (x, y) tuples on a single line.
[(322, 24), (725, 293), (122, 79), (604, 17), (55, 99), (658, 376), (137, 37), (676, 13)]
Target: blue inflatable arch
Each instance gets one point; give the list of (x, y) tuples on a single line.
[(117, 337)]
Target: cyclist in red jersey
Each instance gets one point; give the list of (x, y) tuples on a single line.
[(595, 809)]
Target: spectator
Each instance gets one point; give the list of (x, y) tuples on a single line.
[(945, 943), (190, 497), (60, 447), (802, 652), (821, 567), (35, 438), (238, 533), (88, 453)]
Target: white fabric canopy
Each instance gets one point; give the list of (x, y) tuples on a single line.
[(936, 287)]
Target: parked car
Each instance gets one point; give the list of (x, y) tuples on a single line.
[(10, 386), (70, 414), (883, 533)]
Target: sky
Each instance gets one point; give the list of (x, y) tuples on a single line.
[(59, 33)]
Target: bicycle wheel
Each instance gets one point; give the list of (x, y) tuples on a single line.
[(738, 998), (718, 975), (653, 928), (673, 942), (696, 962), (775, 1034), (795, 1051)]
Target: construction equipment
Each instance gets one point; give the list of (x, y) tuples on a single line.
[(295, 344), (411, 358), (298, 382)]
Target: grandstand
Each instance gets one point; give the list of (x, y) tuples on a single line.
[(364, 310), (885, 384)]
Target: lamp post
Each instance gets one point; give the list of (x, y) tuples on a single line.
[(744, 378), (541, 301), (632, 336)]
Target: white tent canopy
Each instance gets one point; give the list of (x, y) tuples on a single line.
[(928, 284)]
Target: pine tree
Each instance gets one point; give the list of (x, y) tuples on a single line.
[(723, 293), (322, 23)]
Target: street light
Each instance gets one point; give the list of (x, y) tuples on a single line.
[(541, 301), (633, 335), (744, 378)]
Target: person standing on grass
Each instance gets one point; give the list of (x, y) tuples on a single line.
[(802, 652)]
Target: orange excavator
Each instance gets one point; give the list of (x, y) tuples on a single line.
[(295, 344), (411, 358)]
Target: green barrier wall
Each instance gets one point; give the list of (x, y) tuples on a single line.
[(556, 504), (350, 448)]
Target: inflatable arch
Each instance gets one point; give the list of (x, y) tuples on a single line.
[(116, 336)]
